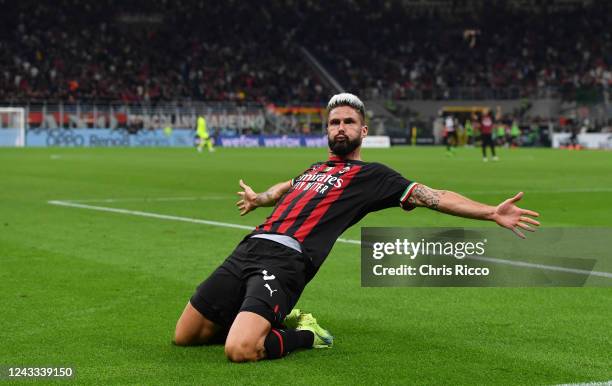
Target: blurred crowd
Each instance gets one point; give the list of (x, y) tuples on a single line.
[(143, 51), (385, 48)]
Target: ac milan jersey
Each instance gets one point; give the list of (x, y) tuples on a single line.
[(487, 125), (331, 196)]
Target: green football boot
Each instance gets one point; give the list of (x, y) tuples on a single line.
[(292, 320), (322, 337)]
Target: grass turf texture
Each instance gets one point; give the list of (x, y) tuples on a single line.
[(102, 291)]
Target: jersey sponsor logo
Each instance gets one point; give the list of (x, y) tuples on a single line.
[(320, 181), (287, 200), (321, 207), (294, 209)]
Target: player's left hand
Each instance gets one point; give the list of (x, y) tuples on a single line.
[(248, 197), (510, 216)]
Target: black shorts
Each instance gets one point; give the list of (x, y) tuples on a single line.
[(487, 139), (260, 276)]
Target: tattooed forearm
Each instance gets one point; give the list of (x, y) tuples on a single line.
[(264, 199), (270, 196), (425, 196), (449, 202)]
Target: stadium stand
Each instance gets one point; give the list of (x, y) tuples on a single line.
[(141, 51), (508, 52)]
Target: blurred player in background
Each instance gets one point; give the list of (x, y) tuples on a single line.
[(451, 134), (500, 134), (515, 134), (486, 135), (413, 135), (246, 300), (469, 133), (203, 136)]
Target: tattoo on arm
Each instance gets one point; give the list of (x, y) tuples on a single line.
[(264, 198), (270, 196), (425, 196)]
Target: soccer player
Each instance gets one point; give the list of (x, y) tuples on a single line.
[(451, 134), (486, 136), (245, 301), (500, 134), (469, 132), (515, 134), (203, 136)]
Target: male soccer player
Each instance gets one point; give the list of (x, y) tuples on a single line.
[(515, 134), (486, 135), (451, 137), (469, 133), (203, 136), (246, 300)]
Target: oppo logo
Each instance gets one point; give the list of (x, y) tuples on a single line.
[(64, 138)]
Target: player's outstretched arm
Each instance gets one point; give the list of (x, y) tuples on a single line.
[(249, 200), (506, 214)]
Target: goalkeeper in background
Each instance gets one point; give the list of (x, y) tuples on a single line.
[(203, 136)]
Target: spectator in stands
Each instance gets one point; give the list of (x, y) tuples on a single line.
[(149, 52)]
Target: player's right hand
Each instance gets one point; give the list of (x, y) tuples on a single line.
[(248, 199)]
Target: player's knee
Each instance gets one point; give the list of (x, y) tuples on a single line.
[(243, 351), (190, 337), (193, 329), (183, 339)]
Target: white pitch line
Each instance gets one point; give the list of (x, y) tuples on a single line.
[(147, 199), (206, 198), (540, 266), (346, 241), (166, 217), (152, 215)]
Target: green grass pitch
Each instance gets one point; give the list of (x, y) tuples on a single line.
[(102, 291)]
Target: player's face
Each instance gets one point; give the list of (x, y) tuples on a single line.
[(345, 130)]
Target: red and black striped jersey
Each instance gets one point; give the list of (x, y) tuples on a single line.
[(486, 126), (329, 197)]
